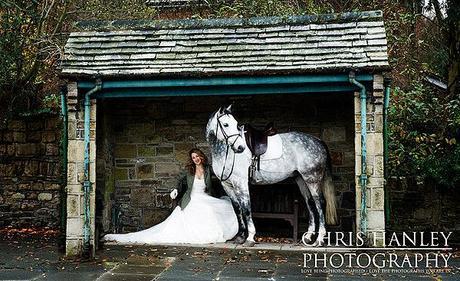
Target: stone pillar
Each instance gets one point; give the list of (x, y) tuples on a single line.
[(374, 161), (75, 177)]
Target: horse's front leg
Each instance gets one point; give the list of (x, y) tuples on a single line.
[(245, 204), (240, 237), (250, 242)]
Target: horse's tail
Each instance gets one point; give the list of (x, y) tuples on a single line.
[(329, 191)]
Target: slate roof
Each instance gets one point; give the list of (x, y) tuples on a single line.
[(172, 3), (272, 45)]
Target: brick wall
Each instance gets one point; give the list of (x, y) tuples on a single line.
[(30, 172), (149, 141)]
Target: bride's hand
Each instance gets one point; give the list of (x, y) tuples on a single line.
[(173, 194)]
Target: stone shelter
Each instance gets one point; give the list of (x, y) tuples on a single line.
[(140, 93)]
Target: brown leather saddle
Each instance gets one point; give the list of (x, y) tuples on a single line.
[(257, 142)]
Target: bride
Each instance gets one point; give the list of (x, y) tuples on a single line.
[(200, 218)]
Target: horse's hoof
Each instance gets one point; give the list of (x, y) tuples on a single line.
[(317, 243), (249, 243), (314, 244), (307, 241), (308, 236), (239, 240)]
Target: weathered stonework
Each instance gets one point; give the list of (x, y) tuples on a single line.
[(45, 197), (375, 218), (422, 206), (143, 146), (30, 172), (75, 166)]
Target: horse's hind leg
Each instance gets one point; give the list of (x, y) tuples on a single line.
[(314, 186), (311, 216)]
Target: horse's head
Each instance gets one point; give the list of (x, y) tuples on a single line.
[(225, 128)]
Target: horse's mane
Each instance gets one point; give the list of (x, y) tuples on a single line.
[(210, 134)]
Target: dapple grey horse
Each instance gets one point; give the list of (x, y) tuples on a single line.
[(303, 157)]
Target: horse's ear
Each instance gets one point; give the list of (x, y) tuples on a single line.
[(229, 108), (220, 111)]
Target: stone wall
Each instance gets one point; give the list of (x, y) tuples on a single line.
[(30, 172), (419, 206), (149, 141), (77, 218), (104, 164), (374, 217)]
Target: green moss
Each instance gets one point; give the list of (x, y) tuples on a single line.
[(125, 151), (120, 174), (146, 151), (109, 187)]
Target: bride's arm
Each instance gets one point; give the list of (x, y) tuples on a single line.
[(181, 185), (209, 186)]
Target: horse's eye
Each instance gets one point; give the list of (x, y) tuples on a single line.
[(225, 125)]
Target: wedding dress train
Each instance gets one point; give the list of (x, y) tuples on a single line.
[(205, 219)]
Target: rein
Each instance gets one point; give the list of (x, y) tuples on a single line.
[(227, 137)]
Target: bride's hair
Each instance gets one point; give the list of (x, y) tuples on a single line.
[(191, 167)]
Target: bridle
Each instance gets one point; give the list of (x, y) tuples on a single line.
[(227, 142)]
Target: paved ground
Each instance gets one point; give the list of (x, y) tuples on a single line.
[(42, 260)]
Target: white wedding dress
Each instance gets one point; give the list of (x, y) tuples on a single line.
[(205, 219)]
